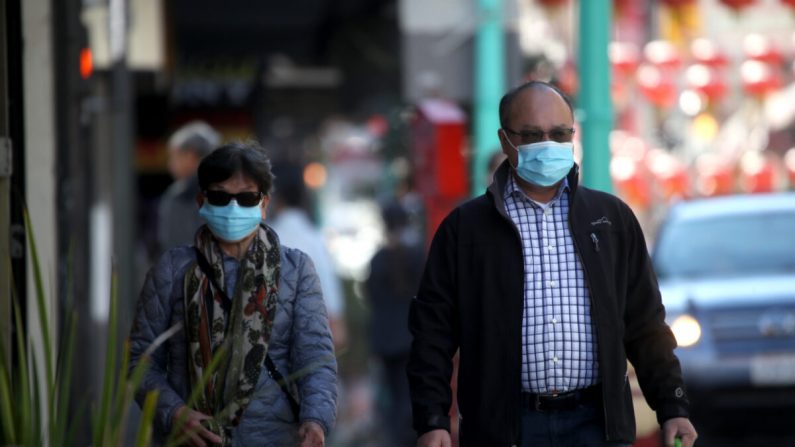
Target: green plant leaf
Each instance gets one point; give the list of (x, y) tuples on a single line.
[(147, 415), (103, 432), (41, 302)]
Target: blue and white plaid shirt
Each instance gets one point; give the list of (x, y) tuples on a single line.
[(559, 351)]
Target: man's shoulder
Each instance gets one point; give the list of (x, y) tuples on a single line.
[(472, 212), (476, 204), (597, 197)]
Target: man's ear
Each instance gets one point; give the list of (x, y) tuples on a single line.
[(200, 199), (505, 145)]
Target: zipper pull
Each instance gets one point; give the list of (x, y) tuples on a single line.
[(595, 241)]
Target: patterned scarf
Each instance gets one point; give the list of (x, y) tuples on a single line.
[(243, 330)]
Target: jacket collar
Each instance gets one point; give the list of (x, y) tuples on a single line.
[(497, 188)]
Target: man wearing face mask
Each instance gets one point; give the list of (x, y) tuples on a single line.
[(239, 298), (546, 288)]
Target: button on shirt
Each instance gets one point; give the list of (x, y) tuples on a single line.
[(559, 350)]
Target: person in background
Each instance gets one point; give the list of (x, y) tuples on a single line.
[(239, 293), (395, 272), (546, 288), (178, 218), (294, 227)]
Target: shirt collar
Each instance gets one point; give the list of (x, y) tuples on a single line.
[(512, 189)]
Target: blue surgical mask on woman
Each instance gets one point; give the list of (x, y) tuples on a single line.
[(544, 163), (231, 222)]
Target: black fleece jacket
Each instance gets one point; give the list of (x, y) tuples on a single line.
[(471, 297)]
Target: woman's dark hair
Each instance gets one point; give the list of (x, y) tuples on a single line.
[(248, 158)]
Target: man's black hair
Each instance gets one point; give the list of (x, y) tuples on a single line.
[(507, 99), (290, 187), (248, 158)]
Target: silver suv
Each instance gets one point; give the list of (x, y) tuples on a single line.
[(726, 268)]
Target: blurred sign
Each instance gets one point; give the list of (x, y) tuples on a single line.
[(145, 35), (773, 370)]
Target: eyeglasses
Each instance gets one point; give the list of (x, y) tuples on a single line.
[(222, 198), (558, 134)]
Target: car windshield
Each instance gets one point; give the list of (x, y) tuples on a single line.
[(741, 244)]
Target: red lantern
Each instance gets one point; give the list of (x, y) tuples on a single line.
[(706, 80), (619, 6), (629, 181), (714, 176), (662, 53), (757, 172), (678, 3), (706, 52), (759, 78), (624, 57), (737, 5), (761, 48), (568, 80), (656, 86), (789, 165), (790, 3), (552, 3), (669, 174)]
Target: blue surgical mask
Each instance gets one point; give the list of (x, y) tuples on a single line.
[(231, 222), (544, 163)]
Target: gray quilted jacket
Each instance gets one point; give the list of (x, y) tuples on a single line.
[(300, 345)]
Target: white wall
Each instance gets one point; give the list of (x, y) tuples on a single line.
[(39, 105)]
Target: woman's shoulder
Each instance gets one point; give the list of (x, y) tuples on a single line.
[(174, 261), (293, 260)]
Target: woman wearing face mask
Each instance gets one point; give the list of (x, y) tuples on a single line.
[(239, 298)]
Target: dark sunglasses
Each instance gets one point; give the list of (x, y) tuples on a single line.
[(558, 134), (222, 198)]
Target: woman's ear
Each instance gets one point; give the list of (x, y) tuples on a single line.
[(264, 206)]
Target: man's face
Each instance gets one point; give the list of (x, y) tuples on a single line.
[(182, 163), (534, 111)]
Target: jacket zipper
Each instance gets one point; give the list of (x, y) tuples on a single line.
[(595, 241), (511, 411)]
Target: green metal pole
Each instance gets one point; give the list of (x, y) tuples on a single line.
[(595, 111), (489, 88)]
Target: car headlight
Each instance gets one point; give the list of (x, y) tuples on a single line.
[(686, 330)]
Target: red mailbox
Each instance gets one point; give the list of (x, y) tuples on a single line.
[(440, 158)]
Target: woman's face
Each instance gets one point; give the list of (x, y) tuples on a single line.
[(235, 184)]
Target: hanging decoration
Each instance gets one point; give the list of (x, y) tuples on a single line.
[(624, 57), (656, 86), (549, 4), (738, 5), (669, 174), (678, 3), (707, 81), (758, 172), (759, 78), (761, 48), (790, 3), (663, 54), (707, 52)]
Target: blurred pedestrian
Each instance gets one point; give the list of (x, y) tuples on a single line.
[(546, 287), (239, 294), (295, 229), (395, 272), (178, 218)]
